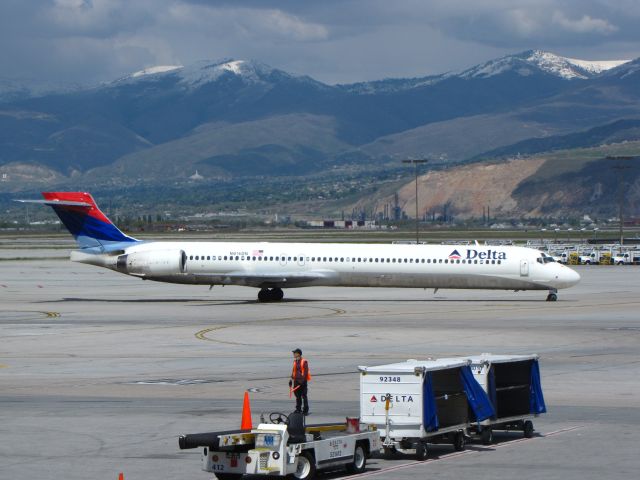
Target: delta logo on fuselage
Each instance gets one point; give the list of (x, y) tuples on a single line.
[(473, 254)]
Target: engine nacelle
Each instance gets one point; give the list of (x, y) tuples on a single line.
[(153, 263)]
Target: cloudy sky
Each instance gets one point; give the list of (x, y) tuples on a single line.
[(88, 41)]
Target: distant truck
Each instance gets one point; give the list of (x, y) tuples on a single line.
[(626, 258)]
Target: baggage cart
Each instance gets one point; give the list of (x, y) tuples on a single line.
[(512, 383), (417, 402)]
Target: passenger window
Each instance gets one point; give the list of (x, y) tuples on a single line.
[(191, 257), (342, 259), (440, 260), (499, 262)]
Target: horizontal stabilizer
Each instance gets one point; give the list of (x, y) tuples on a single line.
[(61, 203)]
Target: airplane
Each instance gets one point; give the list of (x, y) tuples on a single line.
[(272, 267)]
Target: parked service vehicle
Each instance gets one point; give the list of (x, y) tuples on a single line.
[(626, 258), (512, 383), (587, 258), (417, 402), (286, 446)]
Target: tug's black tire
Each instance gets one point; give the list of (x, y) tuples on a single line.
[(359, 460), (228, 476), (306, 467)]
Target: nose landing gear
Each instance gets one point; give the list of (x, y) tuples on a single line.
[(553, 295), (270, 295)]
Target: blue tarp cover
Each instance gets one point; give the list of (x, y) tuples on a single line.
[(478, 400), (536, 399), (430, 411)]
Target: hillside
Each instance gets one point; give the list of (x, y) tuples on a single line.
[(567, 182), (235, 121)]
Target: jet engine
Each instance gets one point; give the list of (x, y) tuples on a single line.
[(152, 263)]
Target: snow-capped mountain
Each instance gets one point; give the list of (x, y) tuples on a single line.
[(523, 64), (204, 72), (536, 61), (244, 116)]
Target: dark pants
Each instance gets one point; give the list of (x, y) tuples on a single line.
[(301, 396)]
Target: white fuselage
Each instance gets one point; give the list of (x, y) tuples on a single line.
[(287, 265)]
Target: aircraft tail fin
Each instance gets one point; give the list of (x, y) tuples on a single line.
[(85, 221)]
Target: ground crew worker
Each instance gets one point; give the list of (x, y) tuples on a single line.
[(299, 379)]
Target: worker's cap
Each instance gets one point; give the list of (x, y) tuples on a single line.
[(297, 350)]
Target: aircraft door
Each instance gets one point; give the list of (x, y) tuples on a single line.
[(283, 259), (524, 268), (301, 260)]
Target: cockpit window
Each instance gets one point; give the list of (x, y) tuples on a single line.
[(544, 258)]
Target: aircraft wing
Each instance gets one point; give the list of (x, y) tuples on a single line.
[(268, 280)]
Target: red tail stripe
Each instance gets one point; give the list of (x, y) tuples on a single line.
[(93, 211)]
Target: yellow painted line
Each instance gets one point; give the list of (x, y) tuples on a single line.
[(202, 334), (51, 314), (2, 365)]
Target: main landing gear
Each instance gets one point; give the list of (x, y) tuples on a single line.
[(553, 295), (270, 295)]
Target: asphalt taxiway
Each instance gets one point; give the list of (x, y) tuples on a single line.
[(100, 373)]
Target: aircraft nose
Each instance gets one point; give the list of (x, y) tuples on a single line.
[(569, 277)]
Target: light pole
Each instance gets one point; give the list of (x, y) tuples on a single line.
[(415, 163), (620, 168)]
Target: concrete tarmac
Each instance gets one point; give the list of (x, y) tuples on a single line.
[(100, 372)]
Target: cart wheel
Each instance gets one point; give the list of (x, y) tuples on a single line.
[(389, 452), (486, 436), (421, 451), (527, 428), (306, 468), (359, 460), (228, 476), (458, 442)]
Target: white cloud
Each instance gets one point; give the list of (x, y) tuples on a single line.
[(332, 40), (585, 24), (290, 26)]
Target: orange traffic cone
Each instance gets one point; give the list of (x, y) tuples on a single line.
[(246, 413)]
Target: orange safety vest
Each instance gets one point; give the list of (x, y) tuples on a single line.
[(304, 365)]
